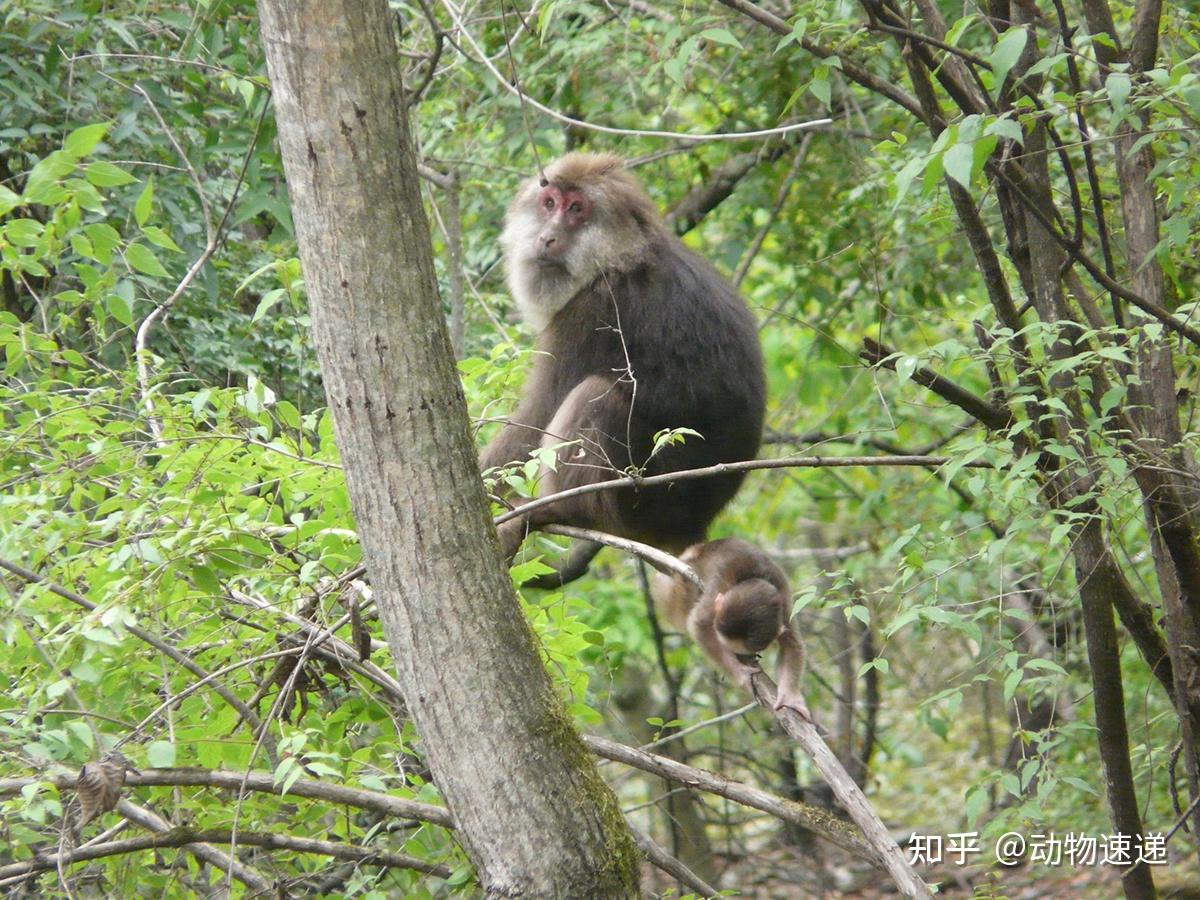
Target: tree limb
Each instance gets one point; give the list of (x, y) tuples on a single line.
[(818, 820), (664, 562), (750, 465)]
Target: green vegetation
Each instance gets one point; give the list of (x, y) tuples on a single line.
[(166, 455)]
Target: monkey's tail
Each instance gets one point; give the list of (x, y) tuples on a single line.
[(573, 566)]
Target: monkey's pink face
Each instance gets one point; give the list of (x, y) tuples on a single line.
[(562, 214)]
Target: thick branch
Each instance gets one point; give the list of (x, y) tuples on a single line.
[(704, 198), (750, 465), (844, 788), (196, 846), (661, 859)]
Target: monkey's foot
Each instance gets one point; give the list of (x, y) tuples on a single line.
[(793, 701)]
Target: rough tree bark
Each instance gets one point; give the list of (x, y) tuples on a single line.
[(531, 809)]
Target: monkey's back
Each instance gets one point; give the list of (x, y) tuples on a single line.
[(692, 347), (726, 561)]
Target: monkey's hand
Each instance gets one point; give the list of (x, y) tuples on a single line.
[(789, 698)]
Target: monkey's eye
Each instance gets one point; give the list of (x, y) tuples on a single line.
[(548, 203), (575, 207)]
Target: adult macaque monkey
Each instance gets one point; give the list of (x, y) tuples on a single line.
[(637, 334), (746, 605)]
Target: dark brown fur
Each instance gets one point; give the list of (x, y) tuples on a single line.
[(640, 334)]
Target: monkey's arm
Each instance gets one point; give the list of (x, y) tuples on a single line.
[(702, 627), (523, 432), (791, 673)]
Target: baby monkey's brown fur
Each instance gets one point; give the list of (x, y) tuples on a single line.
[(746, 605)]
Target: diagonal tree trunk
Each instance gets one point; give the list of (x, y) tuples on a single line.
[(531, 809)]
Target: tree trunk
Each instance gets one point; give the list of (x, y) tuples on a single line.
[(531, 809)]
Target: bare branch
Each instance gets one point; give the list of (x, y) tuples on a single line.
[(195, 838), (672, 866), (198, 846), (844, 788), (214, 237), (664, 562), (750, 465), (703, 199), (818, 820), (851, 70)]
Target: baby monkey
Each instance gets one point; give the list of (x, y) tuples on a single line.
[(745, 606)]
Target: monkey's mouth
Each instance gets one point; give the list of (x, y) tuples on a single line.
[(747, 659), (550, 259)]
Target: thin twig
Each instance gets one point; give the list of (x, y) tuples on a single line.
[(214, 236)]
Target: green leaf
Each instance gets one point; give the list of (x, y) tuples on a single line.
[(287, 414), (1007, 128), (160, 754), (103, 174), (957, 29), (105, 239), (24, 232), (1005, 55), (8, 200), (977, 802), (118, 308), (42, 184), (160, 238), (959, 160), (674, 68), (905, 176), (1081, 785), (145, 200), (142, 260), (721, 36), (82, 141), (205, 580), (1011, 683), (270, 299), (1117, 84), (819, 86)]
